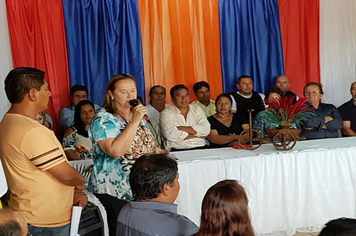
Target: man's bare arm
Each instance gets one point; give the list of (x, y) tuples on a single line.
[(67, 175)]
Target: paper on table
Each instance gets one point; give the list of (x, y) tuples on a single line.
[(74, 226)]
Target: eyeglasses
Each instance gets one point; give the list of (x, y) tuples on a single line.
[(311, 92)]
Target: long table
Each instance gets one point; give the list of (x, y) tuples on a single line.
[(296, 190)]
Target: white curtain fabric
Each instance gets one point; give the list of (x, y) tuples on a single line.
[(337, 49), (5, 58)]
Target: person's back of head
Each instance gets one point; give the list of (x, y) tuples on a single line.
[(20, 81), (151, 175), (225, 211), (339, 227), (10, 228), (12, 224)]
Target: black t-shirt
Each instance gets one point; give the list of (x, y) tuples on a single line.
[(235, 128)]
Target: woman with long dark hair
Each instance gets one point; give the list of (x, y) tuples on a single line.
[(225, 211), (76, 142)]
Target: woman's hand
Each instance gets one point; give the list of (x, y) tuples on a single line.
[(138, 112)]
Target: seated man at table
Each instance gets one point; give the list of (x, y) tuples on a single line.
[(154, 185), (282, 82), (348, 114), (245, 98), (66, 115), (157, 102), (202, 93), (185, 126)]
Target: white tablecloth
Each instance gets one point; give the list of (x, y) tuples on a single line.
[(301, 189)]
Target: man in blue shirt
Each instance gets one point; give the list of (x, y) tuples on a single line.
[(154, 185), (66, 115)]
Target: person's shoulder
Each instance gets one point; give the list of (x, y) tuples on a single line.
[(195, 102), (346, 105), (195, 108), (168, 110), (18, 123), (328, 105), (64, 109)]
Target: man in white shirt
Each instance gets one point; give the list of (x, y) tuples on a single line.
[(157, 102), (184, 126)]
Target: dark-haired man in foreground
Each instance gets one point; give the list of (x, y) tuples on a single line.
[(154, 185), (43, 185)]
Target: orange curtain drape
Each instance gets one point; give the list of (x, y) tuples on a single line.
[(37, 37), (180, 43), (299, 23)]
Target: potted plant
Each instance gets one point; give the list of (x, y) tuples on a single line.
[(282, 113)]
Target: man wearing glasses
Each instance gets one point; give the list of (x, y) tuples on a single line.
[(327, 120)]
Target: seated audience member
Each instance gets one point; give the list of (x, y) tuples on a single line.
[(120, 135), (43, 186), (226, 126), (327, 120), (157, 102), (224, 211), (339, 227), (154, 128), (76, 142), (282, 82), (42, 119), (66, 115), (348, 114), (259, 122), (154, 184), (12, 224), (202, 93), (183, 125), (245, 98)]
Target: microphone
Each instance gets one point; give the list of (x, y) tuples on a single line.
[(133, 103)]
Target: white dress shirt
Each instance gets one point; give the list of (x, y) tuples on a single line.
[(171, 118)]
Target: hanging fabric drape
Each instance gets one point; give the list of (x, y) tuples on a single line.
[(37, 40), (337, 49), (250, 42), (300, 39), (103, 39), (180, 42)]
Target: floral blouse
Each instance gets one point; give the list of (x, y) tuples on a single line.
[(81, 145), (111, 175)]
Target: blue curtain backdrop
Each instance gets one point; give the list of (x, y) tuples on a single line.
[(103, 39), (250, 42)]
